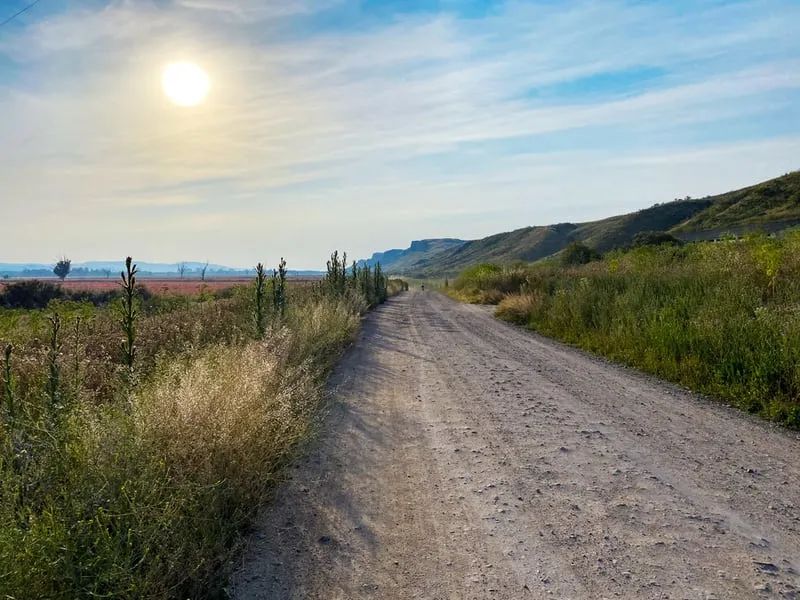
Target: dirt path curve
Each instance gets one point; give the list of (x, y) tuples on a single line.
[(466, 458)]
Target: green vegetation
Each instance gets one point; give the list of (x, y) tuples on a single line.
[(770, 206), (775, 200), (128, 315), (721, 318), (364, 281), (279, 288), (578, 254), (32, 293), (139, 487), (260, 311), (655, 238)]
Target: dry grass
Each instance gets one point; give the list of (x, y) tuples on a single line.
[(147, 499), (517, 308)]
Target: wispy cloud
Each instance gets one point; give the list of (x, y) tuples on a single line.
[(322, 110)]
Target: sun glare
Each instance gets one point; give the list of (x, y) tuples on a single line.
[(185, 83)]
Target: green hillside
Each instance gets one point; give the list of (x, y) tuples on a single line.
[(773, 201), (772, 205)]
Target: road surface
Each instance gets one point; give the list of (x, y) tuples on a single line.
[(467, 458)]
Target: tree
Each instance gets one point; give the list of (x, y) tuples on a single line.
[(181, 269), (62, 268), (203, 272)]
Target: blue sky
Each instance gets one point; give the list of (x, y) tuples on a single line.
[(364, 125)]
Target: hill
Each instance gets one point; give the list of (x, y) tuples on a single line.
[(400, 261), (770, 206)]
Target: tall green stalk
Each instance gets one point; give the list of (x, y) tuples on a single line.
[(279, 288), (128, 315), (54, 369), (76, 381), (260, 309), (8, 381)]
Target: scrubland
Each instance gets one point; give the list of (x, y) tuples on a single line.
[(722, 318), (130, 465)]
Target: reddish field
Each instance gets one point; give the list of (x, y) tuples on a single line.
[(161, 286), (157, 286)]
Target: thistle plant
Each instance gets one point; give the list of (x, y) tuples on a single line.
[(336, 278), (128, 314), (380, 285), (279, 288), (260, 313), (54, 351), (8, 381), (76, 381)]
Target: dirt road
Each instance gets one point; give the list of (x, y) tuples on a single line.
[(466, 458)]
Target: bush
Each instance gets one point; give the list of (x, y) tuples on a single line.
[(655, 238), (35, 294), (518, 308), (29, 294), (488, 283), (578, 254)]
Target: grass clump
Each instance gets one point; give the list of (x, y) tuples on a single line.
[(721, 318), (487, 283)]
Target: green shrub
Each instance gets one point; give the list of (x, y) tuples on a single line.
[(35, 294), (488, 283), (578, 254), (30, 293), (655, 238)]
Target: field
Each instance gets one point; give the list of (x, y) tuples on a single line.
[(720, 318), (140, 432)]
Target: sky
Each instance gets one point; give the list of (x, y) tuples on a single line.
[(364, 125)]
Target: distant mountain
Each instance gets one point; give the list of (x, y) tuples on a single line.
[(104, 268), (403, 260), (770, 206), (118, 265), (100, 267)]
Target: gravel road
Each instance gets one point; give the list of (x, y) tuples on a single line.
[(466, 458)]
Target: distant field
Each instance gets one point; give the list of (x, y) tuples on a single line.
[(185, 286)]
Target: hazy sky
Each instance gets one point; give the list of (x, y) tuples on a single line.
[(363, 125)]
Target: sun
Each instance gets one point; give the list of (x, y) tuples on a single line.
[(185, 83)]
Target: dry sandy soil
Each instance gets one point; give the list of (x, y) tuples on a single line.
[(467, 458)]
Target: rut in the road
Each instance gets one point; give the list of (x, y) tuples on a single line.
[(465, 458)]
